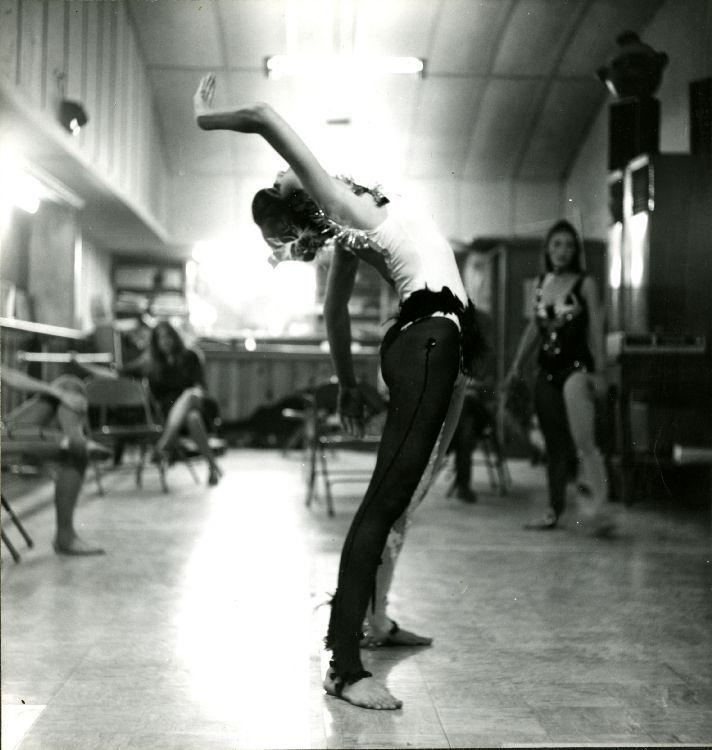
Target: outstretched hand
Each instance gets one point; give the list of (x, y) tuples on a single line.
[(203, 97)]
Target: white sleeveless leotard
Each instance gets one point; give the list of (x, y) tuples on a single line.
[(415, 252)]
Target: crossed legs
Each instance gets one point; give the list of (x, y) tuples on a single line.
[(187, 411)]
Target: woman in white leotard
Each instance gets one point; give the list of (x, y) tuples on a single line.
[(425, 356)]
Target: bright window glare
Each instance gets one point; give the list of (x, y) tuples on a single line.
[(233, 274), (638, 243), (293, 294), (614, 247), (17, 187)]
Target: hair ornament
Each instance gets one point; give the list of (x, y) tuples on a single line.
[(319, 234), (348, 238)]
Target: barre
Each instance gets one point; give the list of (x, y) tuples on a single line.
[(684, 455), (64, 357)]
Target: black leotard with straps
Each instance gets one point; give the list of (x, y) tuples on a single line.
[(563, 327)]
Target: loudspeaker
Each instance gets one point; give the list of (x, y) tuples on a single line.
[(701, 116), (633, 129)]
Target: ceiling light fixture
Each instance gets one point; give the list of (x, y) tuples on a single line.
[(278, 66)]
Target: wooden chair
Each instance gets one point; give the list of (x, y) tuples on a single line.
[(120, 413)]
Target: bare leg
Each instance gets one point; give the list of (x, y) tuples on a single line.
[(378, 626), (197, 430), (70, 477), (580, 408), (176, 419)]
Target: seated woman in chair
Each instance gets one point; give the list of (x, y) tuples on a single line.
[(176, 380), (61, 404)]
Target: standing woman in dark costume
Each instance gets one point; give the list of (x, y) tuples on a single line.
[(422, 358), (568, 324)]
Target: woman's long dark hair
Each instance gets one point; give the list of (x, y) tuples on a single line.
[(158, 357), (577, 263)]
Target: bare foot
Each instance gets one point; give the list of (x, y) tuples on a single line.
[(600, 522), (547, 521), (76, 547), (396, 636), (365, 693)]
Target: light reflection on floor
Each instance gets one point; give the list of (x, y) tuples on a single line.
[(200, 629)]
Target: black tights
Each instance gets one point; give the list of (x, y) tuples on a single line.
[(560, 451), (419, 366)]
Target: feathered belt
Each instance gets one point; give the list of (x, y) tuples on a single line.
[(424, 303)]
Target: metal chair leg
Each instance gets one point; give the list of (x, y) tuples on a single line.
[(15, 554), (311, 479), (16, 521), (489, 463), (97, 476), (327, 483)]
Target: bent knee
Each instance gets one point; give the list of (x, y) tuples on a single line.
[(70, 383), (194, 416)]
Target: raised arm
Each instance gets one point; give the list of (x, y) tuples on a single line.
[(335, 199)]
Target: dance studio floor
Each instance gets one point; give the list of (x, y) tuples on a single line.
[(200, 629)]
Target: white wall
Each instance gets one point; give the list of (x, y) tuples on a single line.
[(94, 45)]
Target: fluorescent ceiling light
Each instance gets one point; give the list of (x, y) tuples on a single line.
[(362, 65)]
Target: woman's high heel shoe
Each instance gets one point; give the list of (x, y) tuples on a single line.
[(214, 475)]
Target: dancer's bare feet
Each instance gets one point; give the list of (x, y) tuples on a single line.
[(394, 636), (73, 546), (367, 692)]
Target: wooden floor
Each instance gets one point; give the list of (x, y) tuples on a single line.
[(200, 629)]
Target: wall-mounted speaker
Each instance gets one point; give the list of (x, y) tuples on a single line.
[(634, 129)]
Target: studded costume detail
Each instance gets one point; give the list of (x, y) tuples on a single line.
[(563, 327)]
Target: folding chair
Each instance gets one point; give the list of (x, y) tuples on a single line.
[(322, 430), (120, 412), (488, 443), (18, 525)]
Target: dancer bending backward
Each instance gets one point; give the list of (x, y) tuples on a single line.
[(568, 324), (422, 358)]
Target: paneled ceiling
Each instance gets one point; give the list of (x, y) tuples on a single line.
[(509, 89)]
